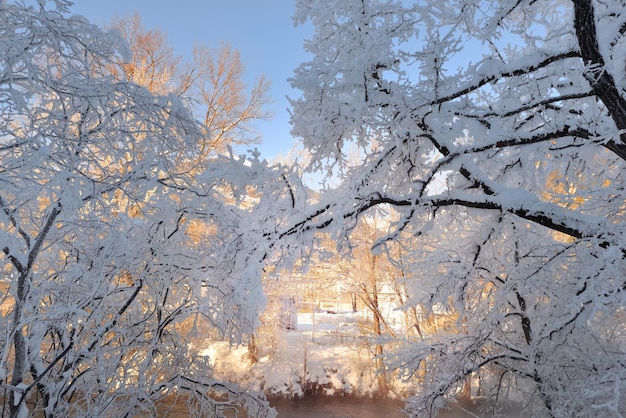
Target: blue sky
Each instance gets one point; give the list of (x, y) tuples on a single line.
[(262, 31)]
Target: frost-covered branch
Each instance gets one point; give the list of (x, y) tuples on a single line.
[(503, 166), (118, 235)]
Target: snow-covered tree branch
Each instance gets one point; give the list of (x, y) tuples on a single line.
[(496, 131), (120, 237)]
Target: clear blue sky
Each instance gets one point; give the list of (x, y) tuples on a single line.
[(262, 31)]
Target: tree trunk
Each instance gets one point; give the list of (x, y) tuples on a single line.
[(253, 350), (19, 365), (601, 80), (383, 387)]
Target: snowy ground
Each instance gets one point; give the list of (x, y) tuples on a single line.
[(326, 351)]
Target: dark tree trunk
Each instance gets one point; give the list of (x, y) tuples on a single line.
[(601, 80)]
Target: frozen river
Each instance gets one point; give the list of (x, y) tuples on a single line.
[(332, 407), (352, 407), (328, 407)]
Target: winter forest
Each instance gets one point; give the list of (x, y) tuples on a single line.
[(464, 238)]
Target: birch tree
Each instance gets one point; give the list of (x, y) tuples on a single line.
[(101, 183), (497, 130)]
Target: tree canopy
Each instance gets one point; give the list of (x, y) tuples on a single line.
[(119, 236), (210, 83), (496, 131)]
